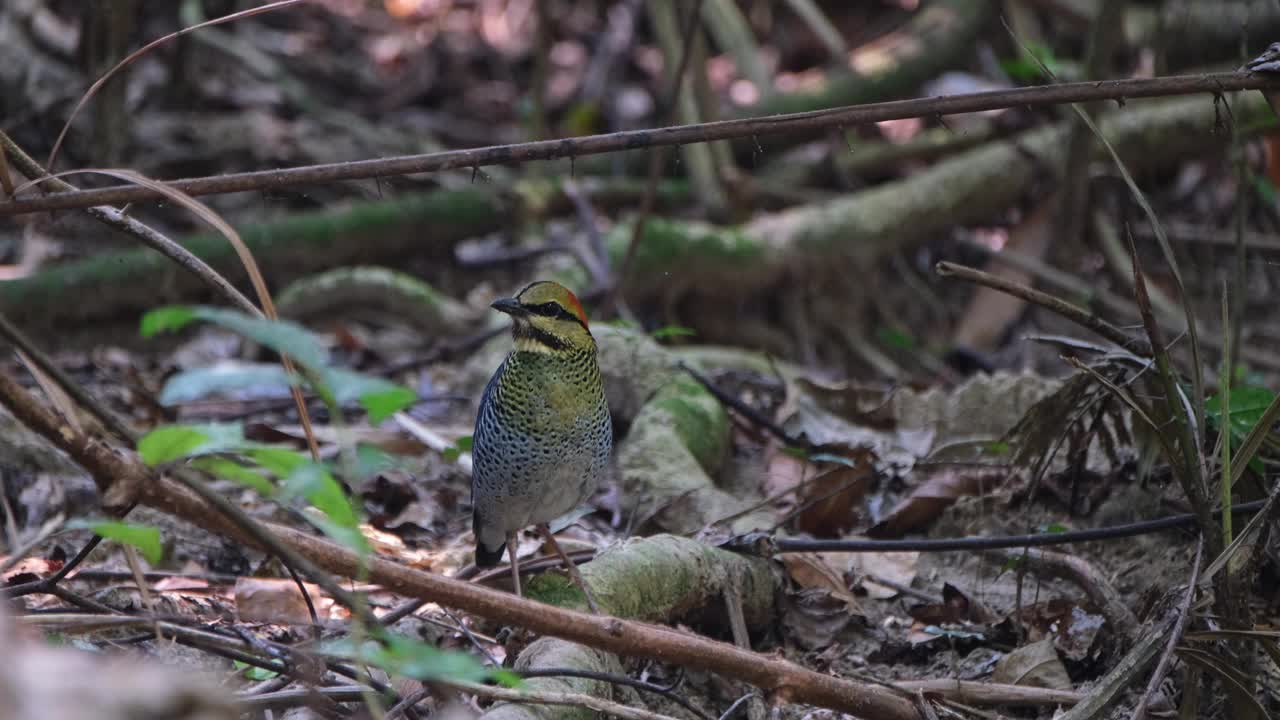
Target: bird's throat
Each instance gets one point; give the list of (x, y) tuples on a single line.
[(531, 339)]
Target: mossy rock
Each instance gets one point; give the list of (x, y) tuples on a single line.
[(377, 288), (698, 419), (551, 652)]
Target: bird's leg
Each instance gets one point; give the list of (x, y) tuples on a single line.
[(512, 540), (569, 565)]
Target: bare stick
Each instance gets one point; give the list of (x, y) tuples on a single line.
[(512, 543), (1184, 618), (808, 122), (1057, 305)]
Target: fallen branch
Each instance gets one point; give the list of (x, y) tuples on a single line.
[(785, 679), (1082, 573), (808, 122)]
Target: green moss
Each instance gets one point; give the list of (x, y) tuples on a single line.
[(670, 243), (285, 249), (698, 419), (555, 589)]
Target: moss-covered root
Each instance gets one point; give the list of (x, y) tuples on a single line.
[(678, 439), (658, 579), (852, 231), (661, 578), (548, 653), (376, 288), (668, 458)]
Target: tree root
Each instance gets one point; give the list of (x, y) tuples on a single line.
[(845, 234), (656, 579), (395, 293), (424, 225)]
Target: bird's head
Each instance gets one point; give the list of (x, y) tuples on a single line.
[(548, 319)]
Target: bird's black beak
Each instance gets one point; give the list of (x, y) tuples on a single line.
[(510, 306)]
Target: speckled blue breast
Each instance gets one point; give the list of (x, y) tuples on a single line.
[(542, 440)]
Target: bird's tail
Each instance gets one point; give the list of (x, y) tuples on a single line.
[(486, 557)]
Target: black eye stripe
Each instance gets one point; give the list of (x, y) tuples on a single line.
[(553, 309)]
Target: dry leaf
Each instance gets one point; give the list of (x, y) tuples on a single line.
[(814, 617), (900, 567), (810, 571), (830, 503), (991, 312), (274, 600), (956, 608), (928, 501), (1035, 665)]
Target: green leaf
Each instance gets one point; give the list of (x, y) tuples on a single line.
[(232, 470), (416, 659), (453, 452), (1262, 185), (143, 537), (895, 338), (998, 447), (280, 462), (279, 335), (175, 442), (371, 460), (1010, 564), (253, 672), (1024, 69), (166, 319), (349, 537), (1054, 529), (382, 405), (672, 331), (1248, 402), (202, 382), (314, 482), (379, 397)]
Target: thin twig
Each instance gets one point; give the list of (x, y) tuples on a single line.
[(1075, 313), (109, 419), (531, 697), (131, 57), (807, 122), (656, 158), (1175, 636), (666, 692), (110, 466), (1112, 532), (115, 218)]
